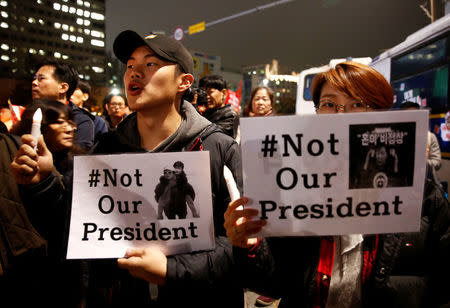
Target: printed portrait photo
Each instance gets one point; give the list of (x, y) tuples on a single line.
[(174, 194), (381, 155)]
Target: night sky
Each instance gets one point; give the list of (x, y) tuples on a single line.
[(300, 34)]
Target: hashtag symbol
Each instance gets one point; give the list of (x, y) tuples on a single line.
[(93, 178), (269, 145)]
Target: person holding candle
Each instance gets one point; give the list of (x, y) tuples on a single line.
[(159, 74)]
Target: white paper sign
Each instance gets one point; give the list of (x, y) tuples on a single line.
[(336, 174), (126, 200)]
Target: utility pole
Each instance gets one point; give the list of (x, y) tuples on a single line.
[(437, 9)]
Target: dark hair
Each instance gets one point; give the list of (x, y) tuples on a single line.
[(213, 81), (358, 81), (84, 87), (51, 111), (64, 72), (178, 164), (408, 105), (248, 107)]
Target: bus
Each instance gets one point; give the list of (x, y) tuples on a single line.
[(417, 70)]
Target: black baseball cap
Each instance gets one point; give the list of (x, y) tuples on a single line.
[(164, 46)]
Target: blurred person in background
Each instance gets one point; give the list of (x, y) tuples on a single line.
[(217, 111), (260, 105), (57, 81), (79, 97), (433, 150), (116, 107)]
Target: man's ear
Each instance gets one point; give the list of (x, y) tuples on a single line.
[(63, 88), (186, 82)]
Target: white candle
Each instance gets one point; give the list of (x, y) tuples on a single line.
[(36, 126)]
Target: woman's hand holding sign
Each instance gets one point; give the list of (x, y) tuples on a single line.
[(240, 225), (149, 264)]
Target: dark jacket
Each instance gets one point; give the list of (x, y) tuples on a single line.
[(224, 117), (193, 279), (100, 127), (84, 135), (405, 270)]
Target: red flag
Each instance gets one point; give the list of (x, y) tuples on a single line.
[(16, 111), (233, 100)]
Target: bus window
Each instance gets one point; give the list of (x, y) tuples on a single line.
[(433, 54), (428, 89), (307, 95)]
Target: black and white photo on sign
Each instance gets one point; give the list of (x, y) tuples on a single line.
[(175, 194), (382, 155), (138, 200)]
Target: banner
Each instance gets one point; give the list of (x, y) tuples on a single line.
[(336, 174), (140, 200)]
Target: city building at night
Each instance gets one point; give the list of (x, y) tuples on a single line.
[(70, 30)]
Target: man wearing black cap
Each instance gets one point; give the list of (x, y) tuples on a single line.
[(158, 75)]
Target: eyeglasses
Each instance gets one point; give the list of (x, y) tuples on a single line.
[(168, 172), (327, 106), (118, 105)]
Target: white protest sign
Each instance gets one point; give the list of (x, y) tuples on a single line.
[(336, 174), (126, 200)]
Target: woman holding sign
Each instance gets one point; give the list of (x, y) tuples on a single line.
[(387, 270)]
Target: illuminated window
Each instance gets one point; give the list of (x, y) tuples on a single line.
[(72, 29), (65, 57), (32, 51), (57, 6), (5, 47), (97, 16), (87, 31), (87, 77), (5, 58), (97, 34), (98, 69), (80, 39), (57, 25), (57, 55), (73, 38), (80, 12), (41, 22), (39, 1), (31, 20), (65, 8), (72, 10), (98, 43), (41, 52), (4, 25), (80, 2), (4, 3), (65, 36), (87, 4), (4, 14), (87, 22), (87, 13), (65, 27), (80, 21)]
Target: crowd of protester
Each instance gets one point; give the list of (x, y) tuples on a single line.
[(161, 113)]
